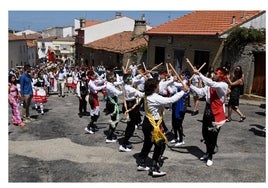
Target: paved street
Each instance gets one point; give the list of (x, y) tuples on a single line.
[(55, 148)]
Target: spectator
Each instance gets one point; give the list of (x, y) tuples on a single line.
[(13, 100), (235, 83), (26, 91)]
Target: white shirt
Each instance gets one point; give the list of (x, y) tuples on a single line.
[(112, 90), (155, 102), (93, 86), (131, 93), (220, 88), (163, 84), (139, 81)]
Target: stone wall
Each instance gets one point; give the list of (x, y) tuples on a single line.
[(245, 58)]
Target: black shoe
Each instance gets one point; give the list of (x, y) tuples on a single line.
[(242, 118), (194, 113), (80, 114), (63, 96)]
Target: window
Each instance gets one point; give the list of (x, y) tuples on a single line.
[(201, 57), (159, 55)]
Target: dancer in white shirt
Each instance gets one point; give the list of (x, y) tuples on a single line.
[(215, 91), (112, 106), (94, 86), (152, 126)]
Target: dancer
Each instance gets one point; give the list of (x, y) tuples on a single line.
[(215, 91), (112, 106), (39, 92), (131, 107), (178, 112), (152, 126), (82, 92), (94, 86), (197, 82)]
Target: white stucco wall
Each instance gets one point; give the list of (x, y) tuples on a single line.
[(108, 28), (257, 23)]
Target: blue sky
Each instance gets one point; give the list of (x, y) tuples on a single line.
[(40, 20)]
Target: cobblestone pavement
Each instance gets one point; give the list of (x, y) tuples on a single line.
[(55, 148)]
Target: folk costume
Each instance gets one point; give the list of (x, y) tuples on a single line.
[(39, 94), (153, 127), (94, 86), (112, 106), (82, 92), (214, 114), (131, 107)]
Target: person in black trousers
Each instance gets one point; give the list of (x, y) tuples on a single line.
[(82, 92), (153, 126)]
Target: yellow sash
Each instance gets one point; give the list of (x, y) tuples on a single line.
[(157, 134)]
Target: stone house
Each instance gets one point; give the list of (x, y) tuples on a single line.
[(111, 42), (200, 36)]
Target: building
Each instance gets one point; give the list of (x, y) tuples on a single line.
[(200, 36), (64, 49), (22, 49), (104, 42), (60, 32)]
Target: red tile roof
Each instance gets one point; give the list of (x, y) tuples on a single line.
[(91, 22), (118, 43), (204, 22), (34, 36)]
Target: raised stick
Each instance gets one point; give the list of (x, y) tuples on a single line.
[(188, 61), (176, 74), (198, 70), (127, 65), (155, 67), (144, 66), (167, 68)]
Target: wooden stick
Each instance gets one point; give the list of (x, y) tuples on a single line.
[(167, 68), (176, 74), (188, 61), (144, 66), (155, 67), (202, 66), (127, 65), (198, 70)]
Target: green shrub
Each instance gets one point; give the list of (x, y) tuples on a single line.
[(239, 37)]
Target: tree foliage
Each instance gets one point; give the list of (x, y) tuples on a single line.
[(241, 36)]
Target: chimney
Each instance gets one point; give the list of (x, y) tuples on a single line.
[(244, 14), (139, 28), (118, 14), (233, 20), (82, 22)]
